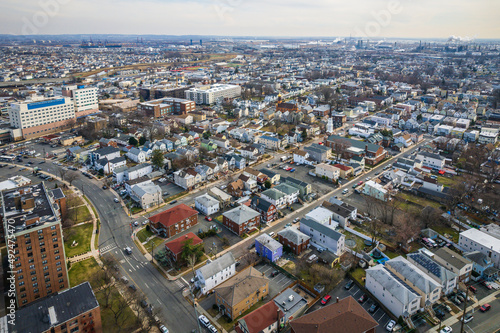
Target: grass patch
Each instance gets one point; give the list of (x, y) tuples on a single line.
[(136, 210), (82, 234), (360, 243), (444, 229), (391, 254), (149, 245), (412, 199), (74, 200), (359, 275), (82, 271), (446, 181), (144, 234), (289, 267), (128, 319), (139, 246), (79, 214), (212, 312)]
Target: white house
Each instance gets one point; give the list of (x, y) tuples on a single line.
[(323, 216), (138, 171), (392, 292), (215, 272), (146, 195), (329, 171), (302, 157), (323, 236), (375, 190), (108, 166), (423, 260), (136, 155), (431, 160), (477, 240), (277, 198), (206, 204)]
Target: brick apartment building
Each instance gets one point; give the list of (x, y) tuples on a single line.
[(173, 221), (160, 108), (294, 239), (174, 247), (349, 148), (40, 261), (241, 219), (72, 310)]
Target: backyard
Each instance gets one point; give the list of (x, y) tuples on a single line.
[(81, 235)]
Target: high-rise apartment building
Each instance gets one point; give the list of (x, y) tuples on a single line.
[(211, 93), (85, 99), (39, 115), (32, 225)]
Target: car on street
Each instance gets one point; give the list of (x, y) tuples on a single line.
[(288, 169), (144, 222), (163, 329), (104, 187), (485, 307), (326, 299), (373, 308), (136, 224), (468, 317), (173, 202), (363, 298), (293, 170), (212, 329), (288, 225), (271, 234), (446, 329), (295, 220), (143, 304), (128, 250), (204, 320), (345, 191), (390, 325), (116, 200), (349, 285), (208, 218), (133, 287)]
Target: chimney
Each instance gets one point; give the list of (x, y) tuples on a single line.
[(337, 299)]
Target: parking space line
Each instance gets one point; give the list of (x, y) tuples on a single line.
[(284, 277), (376, 313), (380, 319), (355, 294)]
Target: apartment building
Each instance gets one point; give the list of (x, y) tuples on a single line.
[(215, 272), (327, 170), (174, 220), (454, 262), (160, 108), (40, 116), (477, 240), (31, 217), (84, 99), (72, 310), (241, 219), (209, 94), (423, 260)]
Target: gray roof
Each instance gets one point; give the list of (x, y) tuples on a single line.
[(325, 230), (295, 182), (57, 193), (55, 309), (273, 194), (216, 266), (134, 151), (479, 258), (355, 143), (293, 235), (207, 200), (268, 242), (431, 155), (287, 189), (392, 284), (117, 160), (413, 274), (241, 214), (428, 265), (106, 150), (455, 259), (139, 167), (142, 189), (289, 302)]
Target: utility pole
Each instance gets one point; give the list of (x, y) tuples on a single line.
[(465, 310), (152, 251)]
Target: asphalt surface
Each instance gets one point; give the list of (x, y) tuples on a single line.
[(483, 322)]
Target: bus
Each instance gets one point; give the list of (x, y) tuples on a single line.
[(5, 158)]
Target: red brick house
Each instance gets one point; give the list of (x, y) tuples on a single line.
[(241, 219), (174, 220), (266, 209), (263, 319), (294, 239), (349, 148), (174, 247), (342, 316)]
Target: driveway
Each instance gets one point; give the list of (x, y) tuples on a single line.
[(277, 283)]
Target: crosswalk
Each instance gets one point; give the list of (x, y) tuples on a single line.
[(179, 283), (107, 248)]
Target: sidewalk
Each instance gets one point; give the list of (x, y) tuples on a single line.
[(456, 318)]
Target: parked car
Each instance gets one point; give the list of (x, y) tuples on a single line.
[(349, 285), (363, 298), (295, 220), (163, 329), (446, 329), (390, 325), (275, 273), (271, 234), (128, 250), (373, 308), (143, 304), (212, 329), (173, 202), (116, 200), (326, 299), (468, 317), (208, 218), (104, 187), (133, 287), (136, 224), (473, 289), (204, 320), (485, 307)]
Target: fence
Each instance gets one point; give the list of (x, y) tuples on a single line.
[(357, 233)]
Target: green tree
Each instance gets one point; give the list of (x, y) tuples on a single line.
[(268, 184), (188, 250), (157, 158), (133, 141), (142, 140), (206, 135), (419, 117), (304, 134)]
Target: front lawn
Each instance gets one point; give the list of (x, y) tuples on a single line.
[(82, 271), (82, 235), (144, 234), (79, 214)]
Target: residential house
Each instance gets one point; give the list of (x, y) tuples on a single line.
[(236, 188), (294, 239), (146, 195), (266, 209), (425, 286), (106, 152), (137, 155), (423, 259), (209, 145), (348, 148), (241, 292), (341, 214), (215, 272), (206, 204), (345, 170), (241, 219), (187, 179), (138, 171), (390, 290), (108, 166), (223, 198), (454, 262), (304, 188), (138, 181), (267, 247), (250, 153), (341, 316), (277, 198), (240, 162), (328, 171), (478, 240), (173, 248), (291, 192), (290, 304), (318, 153), (272, 176), (323, 236), (353, 210), (255, 175), (205, 171), (431, 160), (375, 190), (482, 265), (323, 216), (264, 319), (302, 157), (173, 220), (271, 143)]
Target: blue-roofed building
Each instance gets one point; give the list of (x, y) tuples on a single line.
[(268, 247)]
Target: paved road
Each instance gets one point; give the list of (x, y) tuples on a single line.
[(483, 322)]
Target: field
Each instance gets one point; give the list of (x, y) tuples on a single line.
[(82, 235)]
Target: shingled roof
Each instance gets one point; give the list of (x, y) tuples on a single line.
[(239, 287)]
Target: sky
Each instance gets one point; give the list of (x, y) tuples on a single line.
[(328, 18)]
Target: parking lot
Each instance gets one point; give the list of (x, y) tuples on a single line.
[(277, 283), (380, 315), (168, 187)]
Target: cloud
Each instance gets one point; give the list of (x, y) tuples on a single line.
[(423, 18)]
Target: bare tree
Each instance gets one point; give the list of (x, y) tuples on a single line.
[(102, 282), (407, 228), (428, 216), (71, 177), (62, 172)]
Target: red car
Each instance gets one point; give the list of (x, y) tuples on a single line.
[(326, 299), (363, 298), (208, 218), (320, 143), (288, 169), (485, 307)]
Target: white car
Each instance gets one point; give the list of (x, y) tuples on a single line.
[(163, 329), (204, 320), (136, 224), (144, 222), (390, 325), (446, 329), (116, 200)]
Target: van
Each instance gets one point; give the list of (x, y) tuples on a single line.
[(271, 234)]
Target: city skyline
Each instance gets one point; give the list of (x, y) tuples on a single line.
[(366, 19)]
